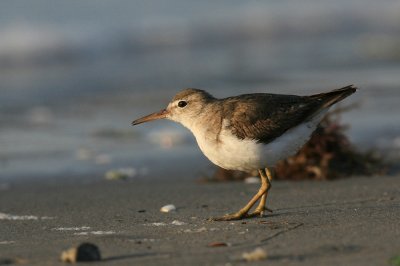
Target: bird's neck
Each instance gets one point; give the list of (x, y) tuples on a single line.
[(207, 125)]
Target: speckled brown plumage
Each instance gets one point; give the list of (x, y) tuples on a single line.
[(264, 117)]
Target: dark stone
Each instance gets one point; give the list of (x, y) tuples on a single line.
[(88, 252)]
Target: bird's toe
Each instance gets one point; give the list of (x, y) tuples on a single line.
[(230, 217)]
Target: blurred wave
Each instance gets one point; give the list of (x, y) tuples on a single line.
[(71, 68), (28, 42)]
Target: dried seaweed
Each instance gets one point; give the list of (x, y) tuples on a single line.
[(327, 155)]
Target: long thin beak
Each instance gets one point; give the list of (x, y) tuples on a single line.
[(158, 115)]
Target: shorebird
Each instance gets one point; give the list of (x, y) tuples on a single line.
[(250, 131)]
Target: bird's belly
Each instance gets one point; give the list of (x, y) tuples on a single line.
[(248, 155), (233, 154)]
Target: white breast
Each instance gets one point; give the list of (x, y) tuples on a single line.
[(231, 153)]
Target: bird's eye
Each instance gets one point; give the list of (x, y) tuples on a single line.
[(182, 104)]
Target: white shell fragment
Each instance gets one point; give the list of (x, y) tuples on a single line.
[(168, 208), (255, 255), (176, 222)]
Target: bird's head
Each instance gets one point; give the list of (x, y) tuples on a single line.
[(184, 108)]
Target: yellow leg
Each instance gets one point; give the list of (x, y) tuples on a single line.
[(265, 185), (259, 211)]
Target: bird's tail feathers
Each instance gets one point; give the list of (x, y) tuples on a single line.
[(330, 98)]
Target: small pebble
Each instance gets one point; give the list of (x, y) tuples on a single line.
[(168, 208), (218, 244), (84, 252)]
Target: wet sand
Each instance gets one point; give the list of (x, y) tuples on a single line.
[(344, 222)]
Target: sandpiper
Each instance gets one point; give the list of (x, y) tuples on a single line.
[(250, 131)]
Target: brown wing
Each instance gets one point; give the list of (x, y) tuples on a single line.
[(264, 117)]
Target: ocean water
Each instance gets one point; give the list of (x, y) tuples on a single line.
[(74, 74)]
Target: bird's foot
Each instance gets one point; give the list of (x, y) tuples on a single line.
[(259, 212), (230, 217), (240, 215)]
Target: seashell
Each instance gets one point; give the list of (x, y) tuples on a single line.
[(255, 255), (168, 208)]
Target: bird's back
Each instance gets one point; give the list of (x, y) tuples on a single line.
[(264, 117)]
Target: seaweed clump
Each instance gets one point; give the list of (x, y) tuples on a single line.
[(327, 155)]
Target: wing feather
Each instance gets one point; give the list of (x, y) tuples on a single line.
[(264, 117)]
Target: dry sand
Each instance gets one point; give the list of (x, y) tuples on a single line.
[(346, 222)]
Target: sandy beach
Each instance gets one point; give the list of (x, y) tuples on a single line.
[(348, 222)]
